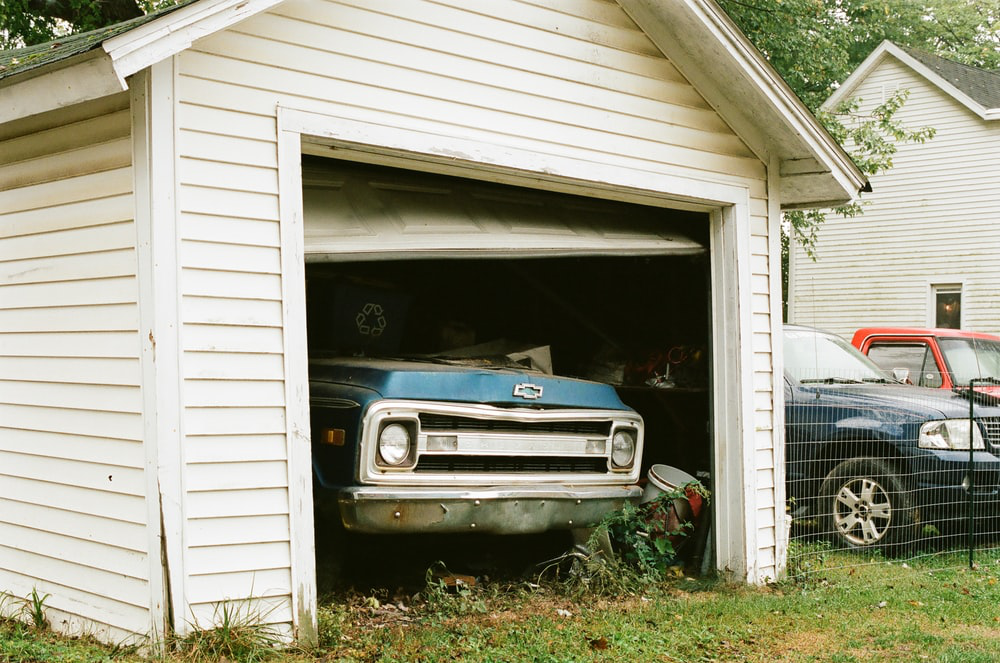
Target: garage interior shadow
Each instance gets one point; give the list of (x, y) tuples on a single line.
[(639, 323), (621, 320)]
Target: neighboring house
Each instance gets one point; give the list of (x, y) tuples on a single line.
[(156, 221), (926, 251)]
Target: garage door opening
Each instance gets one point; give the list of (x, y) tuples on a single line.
[(401, 264)]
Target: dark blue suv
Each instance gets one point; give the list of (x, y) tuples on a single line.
[(869, 458)]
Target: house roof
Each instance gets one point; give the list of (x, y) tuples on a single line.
[(696, 35), (21, 60), (982, 85), (975, 88)]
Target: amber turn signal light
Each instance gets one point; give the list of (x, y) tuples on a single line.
[(334, 436)]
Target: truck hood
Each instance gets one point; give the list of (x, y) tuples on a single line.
[(412, 379), (921, 402)]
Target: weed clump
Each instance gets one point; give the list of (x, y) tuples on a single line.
[(239, 633)]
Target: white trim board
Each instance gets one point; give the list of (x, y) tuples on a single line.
[(142, 165), (343, 138), (735, 532), (298, 437), (782, 520), (156, 225), (76, 80)]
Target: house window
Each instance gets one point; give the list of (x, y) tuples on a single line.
[(948, 306)]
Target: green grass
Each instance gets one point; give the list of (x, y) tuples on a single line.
[(932, 609), (20, 641)]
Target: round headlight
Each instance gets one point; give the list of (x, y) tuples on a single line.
[(394, 444), (622, 448)]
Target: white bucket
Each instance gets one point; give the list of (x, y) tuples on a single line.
[(664, 478)]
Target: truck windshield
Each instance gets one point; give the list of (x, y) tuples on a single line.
[(969, 358), (812, 356)]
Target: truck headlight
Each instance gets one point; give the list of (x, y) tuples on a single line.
[(623, 448), (949, 434), (394, 444)]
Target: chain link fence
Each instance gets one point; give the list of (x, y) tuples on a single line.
[(889, 472)]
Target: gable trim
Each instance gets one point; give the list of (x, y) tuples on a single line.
[(152, 42), (887, 49), (678, 28)]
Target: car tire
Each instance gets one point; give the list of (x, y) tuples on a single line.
[(863, 505)]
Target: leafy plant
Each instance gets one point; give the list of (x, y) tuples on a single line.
[(330, 624), (34, 608), (643, 547), (646, 536)]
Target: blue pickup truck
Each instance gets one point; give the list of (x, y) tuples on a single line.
[(410, 445), (870, 458)]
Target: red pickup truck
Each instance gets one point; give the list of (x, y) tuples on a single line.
[(943, 358)]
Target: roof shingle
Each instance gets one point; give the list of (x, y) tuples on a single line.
[(981, 85)]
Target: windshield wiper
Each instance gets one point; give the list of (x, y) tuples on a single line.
[(880, 381), (831, 381)]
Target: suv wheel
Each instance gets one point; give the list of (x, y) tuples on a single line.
[(863, 505)]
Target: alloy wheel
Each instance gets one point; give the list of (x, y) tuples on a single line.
[(862, 511)]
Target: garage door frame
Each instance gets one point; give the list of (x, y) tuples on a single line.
[(728, 207)]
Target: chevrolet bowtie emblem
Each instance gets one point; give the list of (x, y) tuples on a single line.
[(528, 391)]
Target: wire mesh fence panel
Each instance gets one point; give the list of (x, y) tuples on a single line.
[(883, 472)]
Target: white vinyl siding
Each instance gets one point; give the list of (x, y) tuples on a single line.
[(575, 80), (73, 510), (932, 219)]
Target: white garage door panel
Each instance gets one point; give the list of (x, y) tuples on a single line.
[(358, 213)]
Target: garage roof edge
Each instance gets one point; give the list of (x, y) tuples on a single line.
[(750, 94), (128, 47), (728, 70)]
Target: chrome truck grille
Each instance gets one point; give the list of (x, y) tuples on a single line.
[(439, 422), (472, 444), (506, 465)]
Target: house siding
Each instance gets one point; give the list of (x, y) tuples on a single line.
[(73, 510), (931, 219), (566, 79)]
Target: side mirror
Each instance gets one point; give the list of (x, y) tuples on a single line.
[(902, 375)]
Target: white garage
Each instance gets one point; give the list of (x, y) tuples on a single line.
[(168, 185)]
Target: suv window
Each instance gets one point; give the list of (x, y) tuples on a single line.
[(814, 356), (917, 358)]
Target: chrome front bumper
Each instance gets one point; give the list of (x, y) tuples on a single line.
[(496, 510)]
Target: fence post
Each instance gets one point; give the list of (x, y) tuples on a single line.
[(972, 477)]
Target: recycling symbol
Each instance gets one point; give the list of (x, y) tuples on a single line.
[(371, 320)]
